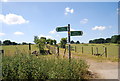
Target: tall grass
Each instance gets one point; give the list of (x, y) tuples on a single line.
[(26, 66)]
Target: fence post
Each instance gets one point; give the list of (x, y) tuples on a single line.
[(82, 50), (105, 51), (92, 50), (29, 48), (119, 52), (97, 49), (75, 48), (2, 52), (39, 48), (58, 50)]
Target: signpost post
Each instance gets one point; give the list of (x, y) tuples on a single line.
[(69, 52), (70, 33)]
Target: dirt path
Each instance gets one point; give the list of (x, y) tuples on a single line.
[(103, 70)]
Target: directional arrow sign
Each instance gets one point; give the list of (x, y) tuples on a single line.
[(60, 29), (76, 33)]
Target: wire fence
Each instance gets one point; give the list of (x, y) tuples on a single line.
[(105, 51)]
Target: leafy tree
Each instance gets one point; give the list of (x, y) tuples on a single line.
[(24, 43), (63, 42), (41, 44), (90, 41), (54, 41), (51, 42), (43, 38), (114, 39), (77, 42), (101, 40), (7, 42), (36, 39), (108, 40), (72, 42), (0, 42), (13, 43), (48, 41)]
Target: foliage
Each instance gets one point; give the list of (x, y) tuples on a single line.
[(0, 42), (43, 38), (24, 43), (26, 66), (48, 41), (72, 42), (63, 42), (41, 44), (108, 40), (7, 42), (54, 41), (51, 42), (77, 42), (36, 39), (113, 39)]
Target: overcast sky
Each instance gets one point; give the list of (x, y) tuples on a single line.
[(21, 21)]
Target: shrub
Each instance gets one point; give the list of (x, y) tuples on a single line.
[(30, 67)]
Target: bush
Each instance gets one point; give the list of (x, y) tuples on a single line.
[(30, 67)]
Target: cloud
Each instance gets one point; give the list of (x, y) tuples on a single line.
[(53, 31), (12, 19), (18, 33), (48, 37), (2, 34), (99, 28), (68, 10), (84, 21)]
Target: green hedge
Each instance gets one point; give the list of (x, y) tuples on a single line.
[(26, 66)]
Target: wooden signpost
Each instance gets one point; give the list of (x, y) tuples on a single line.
[(70, 33)]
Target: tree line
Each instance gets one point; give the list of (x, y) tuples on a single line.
[(113, 39), (63, 41), (8, 42)]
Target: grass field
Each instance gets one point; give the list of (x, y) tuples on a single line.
[(15, 49), (112, 49)]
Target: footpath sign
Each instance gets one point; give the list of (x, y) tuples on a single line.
[(60, 29), (76, 33), (70, 33)]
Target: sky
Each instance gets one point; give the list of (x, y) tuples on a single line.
[(21, 21)]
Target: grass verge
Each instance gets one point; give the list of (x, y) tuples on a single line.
[(24, 66)]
